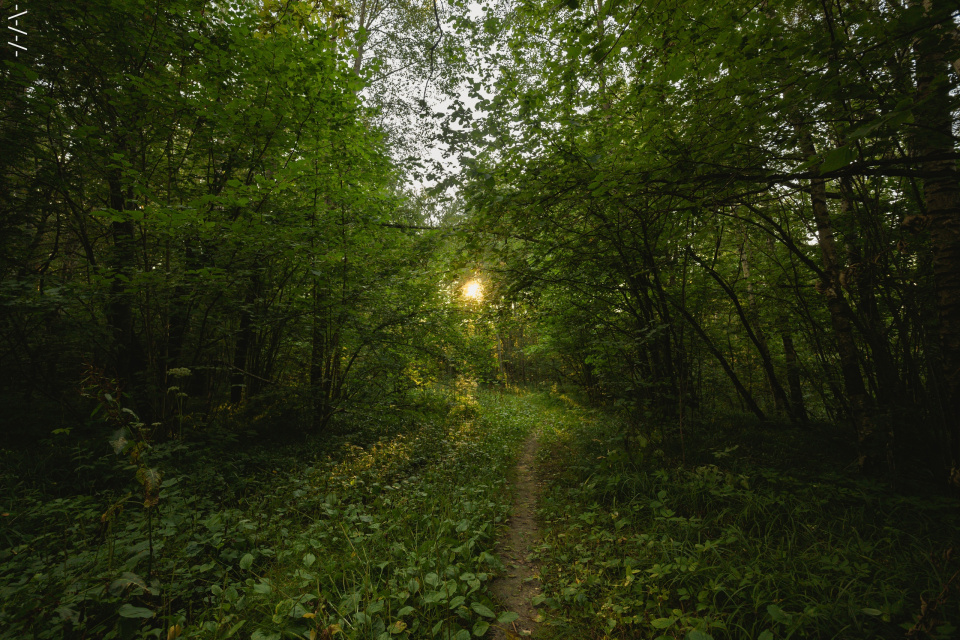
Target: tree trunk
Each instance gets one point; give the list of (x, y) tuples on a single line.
[(873, 447), (244, 338), (748, 400), (319, 382), (797, 407), (129, 353), (325, 369), (860, 277), (761, 345), (776, 389), (941, 192), (361, 38)]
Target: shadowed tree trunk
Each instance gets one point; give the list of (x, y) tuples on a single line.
[(244, 340), (797, 407), (748, 400), (860, 278), (873, 447), (776, 389), (761, 345), (129, 356), (941, 191)]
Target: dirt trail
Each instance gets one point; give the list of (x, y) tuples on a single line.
[(520, 582)]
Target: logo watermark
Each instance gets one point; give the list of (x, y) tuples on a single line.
[(15, 28)]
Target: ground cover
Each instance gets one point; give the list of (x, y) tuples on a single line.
[(638, 545), (390, 530), (385, 532)]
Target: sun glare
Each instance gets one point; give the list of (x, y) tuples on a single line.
[(473, 289)]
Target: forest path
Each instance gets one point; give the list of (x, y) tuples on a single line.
[(520, 582)]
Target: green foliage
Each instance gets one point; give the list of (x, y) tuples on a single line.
[(709, 207), (660, 195), (731, 549), (387, 531), (216, 195)]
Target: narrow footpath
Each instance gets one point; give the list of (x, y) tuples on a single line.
[(521, 580)]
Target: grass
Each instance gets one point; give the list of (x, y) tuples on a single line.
[(383, 534), (637, 545)]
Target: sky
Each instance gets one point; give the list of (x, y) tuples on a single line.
[(426, 144)]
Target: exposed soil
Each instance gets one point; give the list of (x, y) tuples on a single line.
[(521, 580)]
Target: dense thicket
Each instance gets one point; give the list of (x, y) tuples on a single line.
[(746, 203), (196, 186)]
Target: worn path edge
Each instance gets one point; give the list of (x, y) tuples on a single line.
[(520, 582)]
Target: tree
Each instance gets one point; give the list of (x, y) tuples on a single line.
[(657, 145), (201, 187)]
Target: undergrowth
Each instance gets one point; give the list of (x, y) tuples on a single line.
[(383, 534), (636, 546)]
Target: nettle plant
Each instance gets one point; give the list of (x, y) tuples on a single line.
[(132, 439)]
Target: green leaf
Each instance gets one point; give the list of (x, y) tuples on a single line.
[(127, 580), (837, 159), (696, 634), (309, 559), (766, 635), (663, 623), (130, 611), (119, 440), (463, 634), (778, 614), (862, 131), (482, 610), (405, 611), (871, 612), (507, 617), (480, 628), (246, 561), (897, 118), (262, 587)]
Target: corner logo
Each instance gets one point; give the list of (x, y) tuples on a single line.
[(14, 27)]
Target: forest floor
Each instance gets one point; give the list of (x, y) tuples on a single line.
[(753, 536), (385, 531), (516, 548), (473, 515)]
